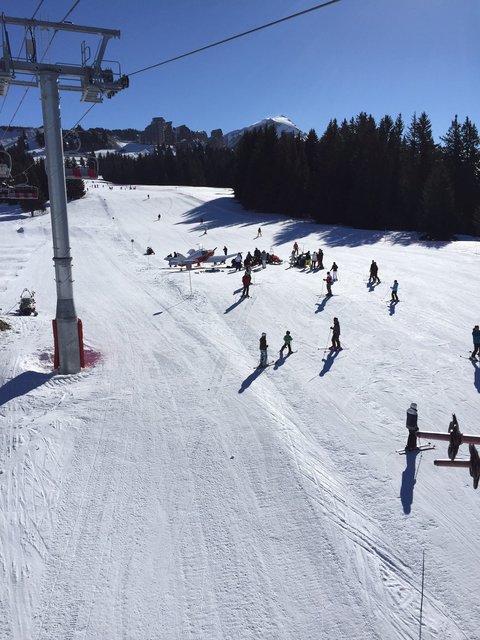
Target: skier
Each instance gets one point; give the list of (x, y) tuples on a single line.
[(159, 216), (225, 250), (394, 289), (329, 281), (335, 335), (263, 350), (320, 259), (259, 232), (334, 270), (264, 259), (476, 342), (295, 247), (314, 260), (149, 251), (374, 273), (412, 417), (238, 261), (246, 280), (308, 260), (287, 339)]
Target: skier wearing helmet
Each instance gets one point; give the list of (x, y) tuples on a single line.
[(263, 350)]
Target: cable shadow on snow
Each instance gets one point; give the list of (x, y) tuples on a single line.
[(23, 384), (408, 481), (249, 379)]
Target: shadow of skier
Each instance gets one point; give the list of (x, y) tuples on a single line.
[(408, 482), (321, 305), (248, 381), (232, 306), (393, 304), (476, 378), (328, 362)]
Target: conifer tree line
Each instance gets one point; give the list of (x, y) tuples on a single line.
[(197, 165), (359, 173), (367, 175)]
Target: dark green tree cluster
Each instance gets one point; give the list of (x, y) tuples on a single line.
[(366, 175), (25, 170), (194, 166)]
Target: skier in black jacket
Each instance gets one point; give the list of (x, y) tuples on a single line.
[(263, 350), (336, 335)]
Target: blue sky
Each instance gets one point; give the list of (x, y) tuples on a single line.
[(378, 56)]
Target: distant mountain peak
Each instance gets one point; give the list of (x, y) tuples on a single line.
[(282, 124)]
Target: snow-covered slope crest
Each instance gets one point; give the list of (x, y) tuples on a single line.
[(282, 124)]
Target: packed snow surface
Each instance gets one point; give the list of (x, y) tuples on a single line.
[(172, 490)]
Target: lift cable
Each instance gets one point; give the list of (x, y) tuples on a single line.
[(238, 35)]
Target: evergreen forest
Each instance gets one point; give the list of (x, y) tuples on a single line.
[(359, 173)]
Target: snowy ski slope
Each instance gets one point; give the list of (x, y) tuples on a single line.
[(172, 491)]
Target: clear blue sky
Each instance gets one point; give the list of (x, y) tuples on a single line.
[(378, 56)]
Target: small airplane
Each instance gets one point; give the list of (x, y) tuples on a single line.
[(196, 256)]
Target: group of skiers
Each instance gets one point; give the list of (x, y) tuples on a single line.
[(306, 260), (252, 260), (287, 344)]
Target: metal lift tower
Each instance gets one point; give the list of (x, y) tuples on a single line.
[(94, 82)]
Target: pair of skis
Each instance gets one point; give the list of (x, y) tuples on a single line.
[(422, 447)]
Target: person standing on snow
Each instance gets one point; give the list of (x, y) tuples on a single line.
[(412, 418), (334, 270), (287, 339), (246, 280), (394, 289), (264, 259), (314, 260), (263, 350), (476, 342), (238, 261), (329, 281), (259, 232), (374, 273), (336, 335), (295, 247), (320, 259)]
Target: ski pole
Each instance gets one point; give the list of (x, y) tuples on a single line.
[(328, 340)]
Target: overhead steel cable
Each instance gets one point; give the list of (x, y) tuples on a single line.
[(235, 37)]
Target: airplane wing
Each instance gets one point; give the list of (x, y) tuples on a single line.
[(220, 257)]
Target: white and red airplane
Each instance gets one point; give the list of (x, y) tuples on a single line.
[(196, 256)]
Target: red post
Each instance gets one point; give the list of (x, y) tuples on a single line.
[(452, 463), (80, 342), (56, 362), (432, 435)]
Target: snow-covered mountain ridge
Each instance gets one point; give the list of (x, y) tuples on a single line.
[(281, 124)]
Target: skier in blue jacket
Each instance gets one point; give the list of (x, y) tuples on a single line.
[(394, 289)]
